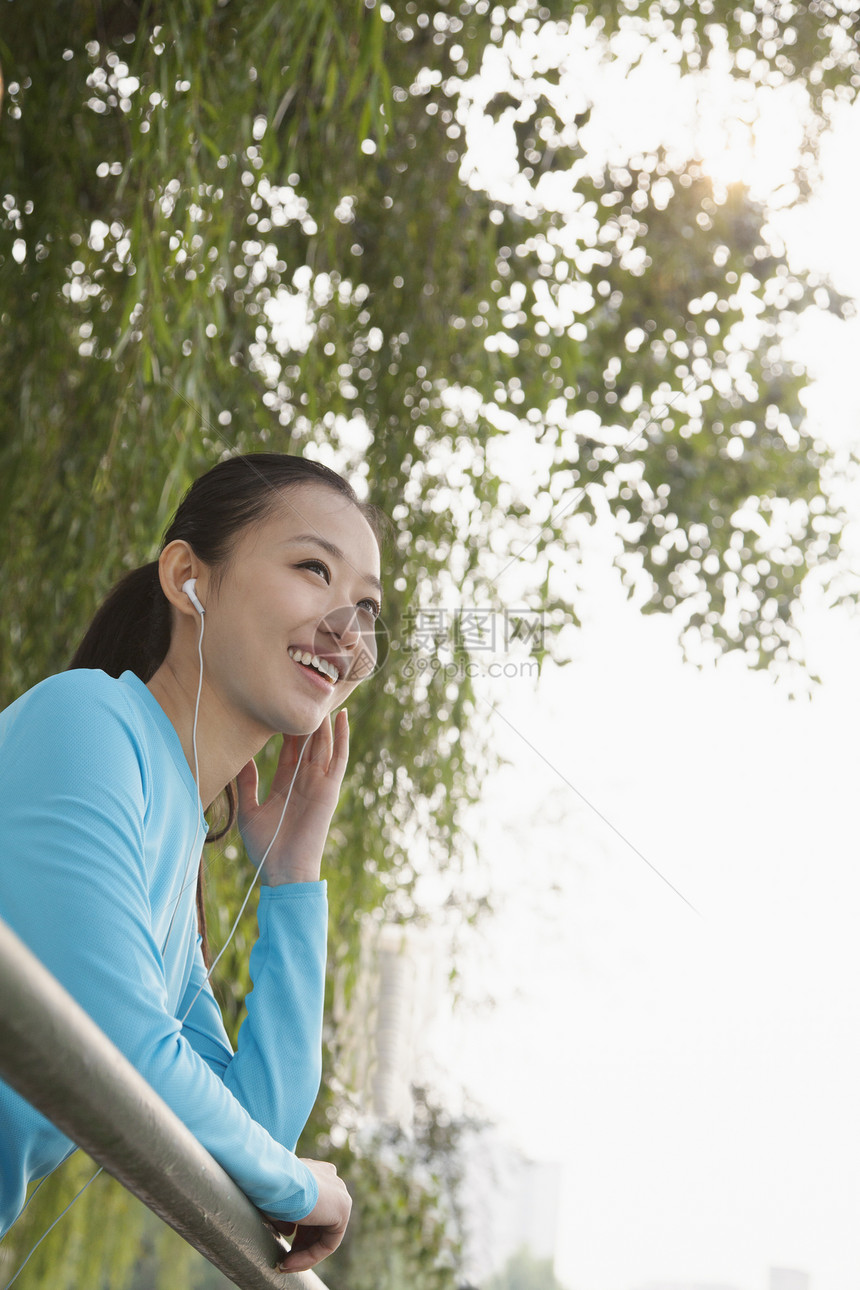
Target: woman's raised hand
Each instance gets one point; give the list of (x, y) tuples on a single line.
[(298, 848)]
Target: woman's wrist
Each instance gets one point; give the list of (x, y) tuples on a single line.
[(283, 874)]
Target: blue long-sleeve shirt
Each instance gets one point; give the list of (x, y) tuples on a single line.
[(101, 831)]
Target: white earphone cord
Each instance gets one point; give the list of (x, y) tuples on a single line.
[(257, 872), (48, 1230), (177, 899), (196, 782)]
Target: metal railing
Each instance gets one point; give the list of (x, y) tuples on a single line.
[(56, 1057)]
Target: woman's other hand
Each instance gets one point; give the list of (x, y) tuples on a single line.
[(297, 852), (322, 1231)]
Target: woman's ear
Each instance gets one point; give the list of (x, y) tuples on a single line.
[(177, 564)]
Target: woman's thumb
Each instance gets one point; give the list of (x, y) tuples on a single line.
[(247, 783)]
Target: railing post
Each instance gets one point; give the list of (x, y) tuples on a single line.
[(56, 1057)]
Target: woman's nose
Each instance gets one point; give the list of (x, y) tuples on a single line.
[(343, 623), (356, 636)]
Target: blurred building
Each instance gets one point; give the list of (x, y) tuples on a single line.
[(687, 1285), (778, 1279), (382, 1031), (510, 1201), (788, 1279), (384, 1020)]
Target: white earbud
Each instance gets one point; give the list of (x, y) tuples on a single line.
[(188, 587)]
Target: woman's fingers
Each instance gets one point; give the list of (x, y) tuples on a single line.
[(287, 759), (340, 750), (320, 745), (247, 783), (313, 765), (324, 751), (302, 1257)]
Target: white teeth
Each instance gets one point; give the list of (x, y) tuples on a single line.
[(325, 667), (313, 660)]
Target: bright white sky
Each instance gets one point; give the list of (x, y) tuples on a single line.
[(698, 1077)]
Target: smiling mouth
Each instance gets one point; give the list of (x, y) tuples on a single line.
[(321, 665)]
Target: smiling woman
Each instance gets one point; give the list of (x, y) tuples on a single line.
[(254, 621)]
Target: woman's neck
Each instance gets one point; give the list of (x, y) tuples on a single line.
[(224, 745)]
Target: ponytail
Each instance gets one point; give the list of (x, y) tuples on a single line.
[(131, 630)]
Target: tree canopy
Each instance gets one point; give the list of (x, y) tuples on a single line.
[(227, 227)]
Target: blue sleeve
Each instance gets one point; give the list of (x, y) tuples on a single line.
[(275, 1072), (74, 886)]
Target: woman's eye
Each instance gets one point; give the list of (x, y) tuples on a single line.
[(372, 607), (318, 566)]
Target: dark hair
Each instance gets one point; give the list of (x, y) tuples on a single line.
[(131, 629)]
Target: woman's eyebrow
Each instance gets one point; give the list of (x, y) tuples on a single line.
[(334, 551)]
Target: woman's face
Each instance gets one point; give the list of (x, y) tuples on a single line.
[(290, 626)]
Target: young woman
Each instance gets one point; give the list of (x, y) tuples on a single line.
[(257, 619)]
